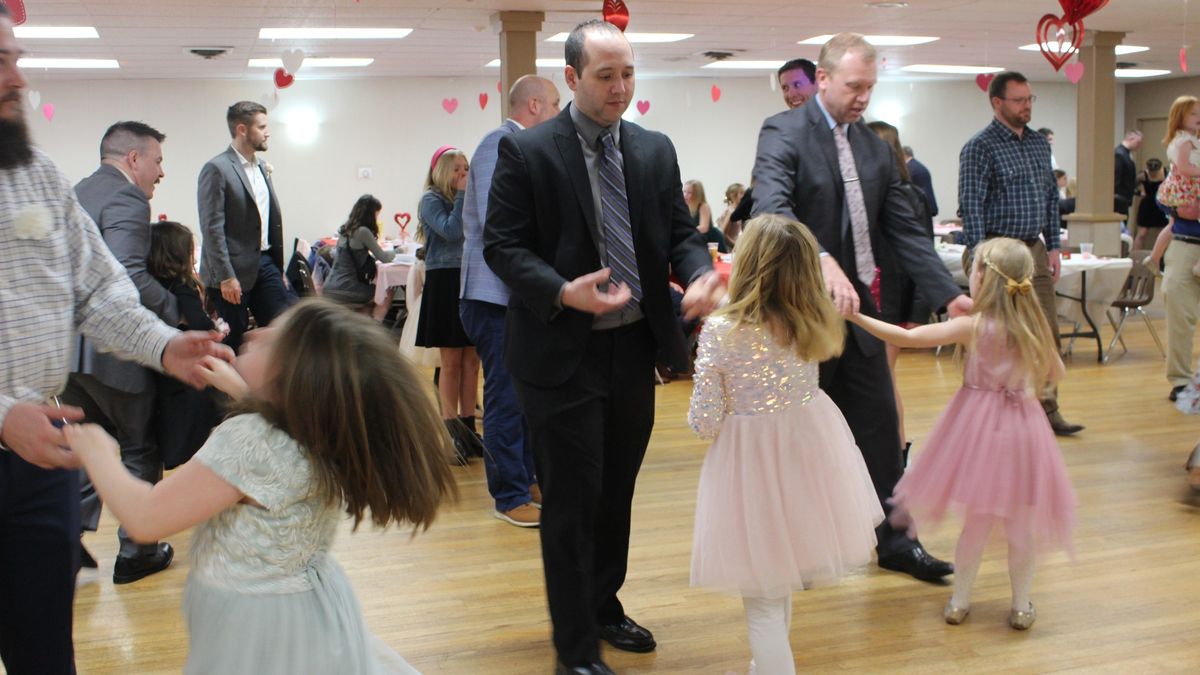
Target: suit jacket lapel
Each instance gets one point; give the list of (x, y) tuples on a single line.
[(634, 173), (572, 156), (824, 136), (236, 161)]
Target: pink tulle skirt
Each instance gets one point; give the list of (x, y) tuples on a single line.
[(991, 454), (784, 503)]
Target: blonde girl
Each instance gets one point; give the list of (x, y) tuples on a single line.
[(1181, 189)]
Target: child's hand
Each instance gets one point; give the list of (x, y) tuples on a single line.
[(219, 374), (86, 440)]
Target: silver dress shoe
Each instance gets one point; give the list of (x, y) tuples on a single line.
[(1022, 620), (955, 615)]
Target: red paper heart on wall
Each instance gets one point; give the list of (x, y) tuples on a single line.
[(616, 13), (17, 9), (1052, 39), (483, 99), (984, 80), (283, 79), (1076, 10), (716, 93)]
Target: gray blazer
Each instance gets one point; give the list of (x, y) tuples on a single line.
[(122, 213), (230, 224)]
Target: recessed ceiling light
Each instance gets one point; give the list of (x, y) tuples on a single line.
[(541, 63), (61, 32), (31, 62), (1128, 73), (333, 33), (1119, 50), (886, 5), (635, 37), (950, 70), (314, 62), (878, 40), (745, 65)]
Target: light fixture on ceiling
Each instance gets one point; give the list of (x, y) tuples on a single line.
[(55, 32), (1058, 48), (314, 62), (745, 65), (333, 33), (1132, 73), (950, 70), (636, 37), (541, 63), (878, 40), (886, 5), (78, 64)]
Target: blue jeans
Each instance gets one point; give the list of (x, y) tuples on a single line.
[(508, 455), (267, 300)]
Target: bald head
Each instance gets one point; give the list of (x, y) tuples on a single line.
[(532, 100)]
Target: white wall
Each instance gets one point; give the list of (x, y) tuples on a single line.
[(394, 125)]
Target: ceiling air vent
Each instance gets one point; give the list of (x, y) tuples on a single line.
[(208, 53)]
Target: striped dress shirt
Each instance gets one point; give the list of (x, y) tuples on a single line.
[(57, 277)]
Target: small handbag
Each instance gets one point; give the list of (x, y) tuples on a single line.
[(364, 265)]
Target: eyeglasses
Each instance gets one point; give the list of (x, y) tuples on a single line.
[(1022, 101)]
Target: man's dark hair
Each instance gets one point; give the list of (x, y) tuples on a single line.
[(1046, 131), (999, 84), (908, 151), (125, 136), (573, 51), (809, 68), (243, 112), (1059, 173)]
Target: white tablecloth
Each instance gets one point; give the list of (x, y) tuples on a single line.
[(390, 275)]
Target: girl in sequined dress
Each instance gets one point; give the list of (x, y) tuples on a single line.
[(992, 455), (785, 501)]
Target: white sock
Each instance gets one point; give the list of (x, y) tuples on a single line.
[(767, 622), (967, 557), (1021, 560)]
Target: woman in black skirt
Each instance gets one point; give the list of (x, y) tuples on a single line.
[(439, 223)]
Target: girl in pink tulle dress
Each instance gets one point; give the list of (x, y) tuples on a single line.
[(784, 501), (992, 455)]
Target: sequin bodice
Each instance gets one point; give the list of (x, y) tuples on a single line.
[(742, 370)]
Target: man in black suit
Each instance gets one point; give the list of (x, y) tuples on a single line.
[(585, 224), (922, 178), (821, 165), (1125, 172)]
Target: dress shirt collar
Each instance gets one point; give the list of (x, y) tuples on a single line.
[(999, 127), (246, 164), (123, 173), (590, 131), (515, 123), (828, 118)]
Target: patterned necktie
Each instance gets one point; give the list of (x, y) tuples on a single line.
[(864, 259), (614, 206)]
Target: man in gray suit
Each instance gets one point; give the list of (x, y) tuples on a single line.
[(821, 165), (118, 394), (242, 255)]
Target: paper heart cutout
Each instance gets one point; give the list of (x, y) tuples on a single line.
[(1052, 39), (283, 79), (450, 105), (616, 13), (162, 218), (984, 80), (716, 93), (499, 88), (402, 219), (643, 106), (1074, 72), (1183, 59), (1077, 10), (292, 60), (269, 99), (48, 112), (17, 9), (483, 99), (35, 99)]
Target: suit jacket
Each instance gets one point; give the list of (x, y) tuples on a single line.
[(230, 224), (541, 232), (797, 174), (1124, 179), (924, 180), (478, 281), (122, 212)]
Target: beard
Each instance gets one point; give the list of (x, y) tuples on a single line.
[(1017, 120), (15, 148), (261, 146)]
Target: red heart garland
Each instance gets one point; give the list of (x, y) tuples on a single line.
[(616, 13), (17, 9), (1051, 39), (483, 99), (716, 93), (283, 79), (984, 80), (1077, 10)]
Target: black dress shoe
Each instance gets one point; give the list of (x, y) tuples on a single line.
[(1175, 392), (628, 636), (86, 559), (597, 668), (129, 570), (918, 563)]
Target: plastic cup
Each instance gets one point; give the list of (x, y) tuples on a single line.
[(1085, 249)]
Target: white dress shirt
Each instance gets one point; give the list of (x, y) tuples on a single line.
[(262, 195)]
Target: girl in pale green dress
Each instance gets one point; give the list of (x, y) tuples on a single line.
[(333, 420)]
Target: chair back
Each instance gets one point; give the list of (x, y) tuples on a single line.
[(1139, 285)]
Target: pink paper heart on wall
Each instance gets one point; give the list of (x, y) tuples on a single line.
[(716, 93), (450, 105), (483, 99), (48, 112), (983, 81), (643, 106), (1074, 72)]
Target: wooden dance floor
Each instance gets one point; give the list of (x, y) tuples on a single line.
[(467, 596)]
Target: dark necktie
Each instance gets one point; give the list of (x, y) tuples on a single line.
[(614, 206)]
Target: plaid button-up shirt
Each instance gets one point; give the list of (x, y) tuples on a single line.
[(57, 277), (1006, 186)]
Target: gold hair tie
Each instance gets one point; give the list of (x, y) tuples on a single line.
[(1023, 287)]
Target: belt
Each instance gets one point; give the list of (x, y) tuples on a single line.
[(1027, 242), (1186, 239)]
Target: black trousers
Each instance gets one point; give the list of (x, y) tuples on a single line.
[(861, 386), (589, 438), (39, 556), (267, 300)]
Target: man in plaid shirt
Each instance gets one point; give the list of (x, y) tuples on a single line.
[(1006, 188), (57, 277)]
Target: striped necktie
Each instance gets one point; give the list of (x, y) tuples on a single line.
[(864, 258), (614, 202)]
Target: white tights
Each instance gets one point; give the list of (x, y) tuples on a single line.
[(768, 621), (969, 553)]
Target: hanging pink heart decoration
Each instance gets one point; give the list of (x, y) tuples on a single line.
[(984, 80), (616, 13), (716, 93), (643, 107), (17, 9), (283, 79), (483, 100), (1052, 39), (1074, 72), (450, 105), (48, 112), (1183, 59), (1077, 10)]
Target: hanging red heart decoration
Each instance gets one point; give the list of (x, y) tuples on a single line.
[(984, 80), (1052, 39), (17, 9), (283, 79), (483, 99), (1183, 59), (616, 13), (716, 93), (1077, 10)]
